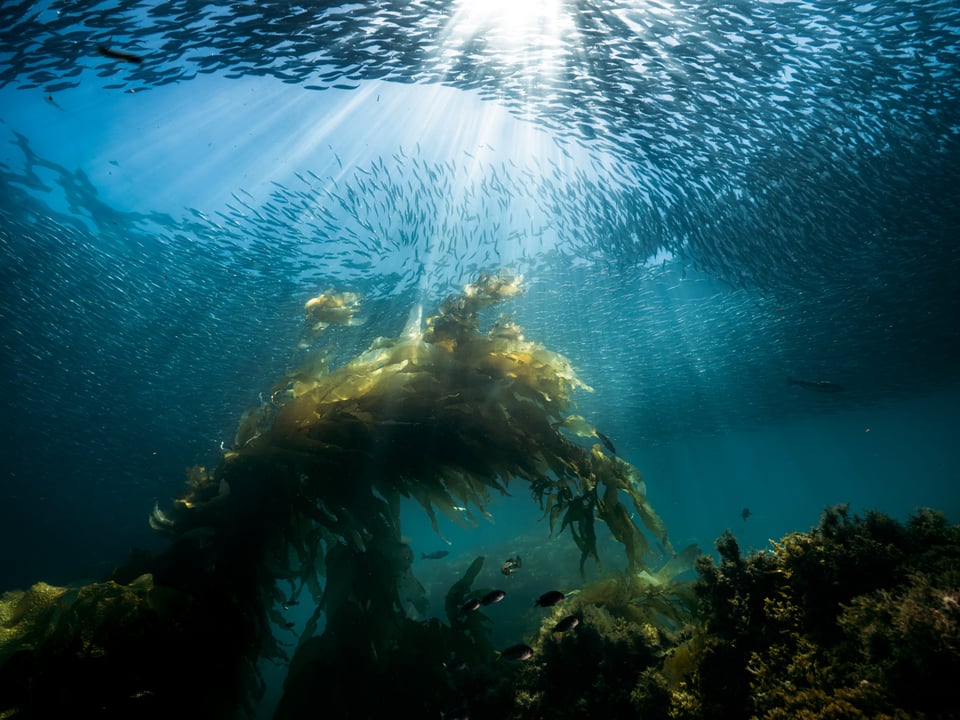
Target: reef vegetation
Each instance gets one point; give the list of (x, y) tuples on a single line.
[(859, 617), (856, 616)]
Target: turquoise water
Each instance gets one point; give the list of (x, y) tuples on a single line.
[(704, 203)]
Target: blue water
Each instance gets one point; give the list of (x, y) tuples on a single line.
[(703, 204)]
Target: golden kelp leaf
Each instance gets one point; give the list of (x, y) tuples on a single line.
[(577, 425), (331, 308), (251, 424), (492, 289), (678, 564)]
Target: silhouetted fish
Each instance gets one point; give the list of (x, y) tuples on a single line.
[(549, 599), (517, 652), (470, 605), (567, 623), (745, 513), (824, 386), (606, 441), (435, 555), (494, 596), (119, 55), (455, 663)]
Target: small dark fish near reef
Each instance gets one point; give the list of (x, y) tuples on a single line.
[(567, 623), (606, 441), (469, 606), (435, 555), (745, 513), (510, 565), (549, 599), (494, 596), (455, 663), (459, 712), (119, 55), (517, 652), (824, 386)]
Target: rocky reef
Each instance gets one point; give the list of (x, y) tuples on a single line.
[(857, 618)]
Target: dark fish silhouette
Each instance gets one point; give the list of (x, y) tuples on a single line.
[(510, 565), (119, 55), (517, 652), (455, 663), (469, 606), (606, 441), (549, 599), (824, 386), (745, 513), (494, 596), (435, 555), (567, 623)]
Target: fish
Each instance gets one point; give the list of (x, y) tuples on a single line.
[(119, 55), (511, 565), (459, 712), (494, 596), (549, 599), (519, 651), (469, 606), (455, 663), (745, 513), (824, 386), (436, 555), (606, 441), (567, 623)]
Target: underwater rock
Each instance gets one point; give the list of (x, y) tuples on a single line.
[(857, 618), (117, 650)]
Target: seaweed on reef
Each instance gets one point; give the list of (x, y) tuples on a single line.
[(619, 659), (859, 617), (122, 650), (308, 501), (856, 618)]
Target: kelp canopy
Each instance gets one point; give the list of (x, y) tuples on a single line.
[(445, 415)]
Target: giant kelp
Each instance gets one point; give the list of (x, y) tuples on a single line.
[(308, 500), (858, 617), (445, 414)]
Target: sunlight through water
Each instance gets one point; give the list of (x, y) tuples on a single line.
[(532, 35)]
